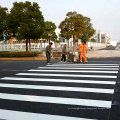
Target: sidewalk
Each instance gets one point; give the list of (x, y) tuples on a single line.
[(90, 54), (103, 54)]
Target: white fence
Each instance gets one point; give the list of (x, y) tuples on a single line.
[(23, 46), (96, 45), (34, 46)]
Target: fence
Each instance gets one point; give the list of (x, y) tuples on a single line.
[(96, 45), (22, 46), (4, 47)]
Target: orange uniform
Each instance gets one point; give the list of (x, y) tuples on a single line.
[(83, 50)]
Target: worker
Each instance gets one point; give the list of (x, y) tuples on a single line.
[(48, 53), (79, 53), (83, 51), (91, 47), (64, 54)]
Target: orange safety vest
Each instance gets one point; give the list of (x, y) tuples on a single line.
[(82, 48)]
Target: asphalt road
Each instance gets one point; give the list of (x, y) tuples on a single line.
[(30, 90)]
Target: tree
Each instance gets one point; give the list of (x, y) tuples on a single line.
[(26, 21), (93, 40), (49, 31), (72, 26), (3, 32), (88, 31)]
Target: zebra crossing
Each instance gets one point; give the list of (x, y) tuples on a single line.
[(59, 91)]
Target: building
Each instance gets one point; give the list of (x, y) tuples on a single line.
[(103, 37), (62, 41)]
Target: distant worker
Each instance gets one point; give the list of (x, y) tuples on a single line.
[(83, 51), (48, 53), (64, 54), (91, 47)]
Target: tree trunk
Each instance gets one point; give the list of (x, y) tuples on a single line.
[(44, 43), (26, 45), (49, 41), (74, 46), (29, 46)]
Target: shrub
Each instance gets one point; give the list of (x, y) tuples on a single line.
[(19, 54)]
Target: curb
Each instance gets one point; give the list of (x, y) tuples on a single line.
[(44, 58), (31, 58)]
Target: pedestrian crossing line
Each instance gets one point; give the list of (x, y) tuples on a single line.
[(84, 66), (15, 115), (80, 71), (78, 68), (60, 80), (55, 109), (58, 93), (60, 88), (57, 100), (67, 75)]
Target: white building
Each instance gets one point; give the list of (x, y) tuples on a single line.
[(103, 37), (62, 41), (113, 43)]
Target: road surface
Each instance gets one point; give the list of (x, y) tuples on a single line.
[(32, 90)]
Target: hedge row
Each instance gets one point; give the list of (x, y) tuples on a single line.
[(19, 54)]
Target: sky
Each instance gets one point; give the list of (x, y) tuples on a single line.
[(104, 14)]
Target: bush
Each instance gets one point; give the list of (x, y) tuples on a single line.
[(57, 54), (19, 54)]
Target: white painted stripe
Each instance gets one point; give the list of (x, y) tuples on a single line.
[(41, 87), (60, 80), (79, 68), (85, 66), (79, 71), (57, 100), (15, 115), (67, 75)]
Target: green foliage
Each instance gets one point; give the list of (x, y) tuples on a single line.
[(3, 32), (72, 25), (19, 54), (77, 26), (53, 36), (93, 40), (49, 26), (26, 21), (88, 31), (49, 31)]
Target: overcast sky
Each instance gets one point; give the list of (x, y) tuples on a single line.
[(105, 14)]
